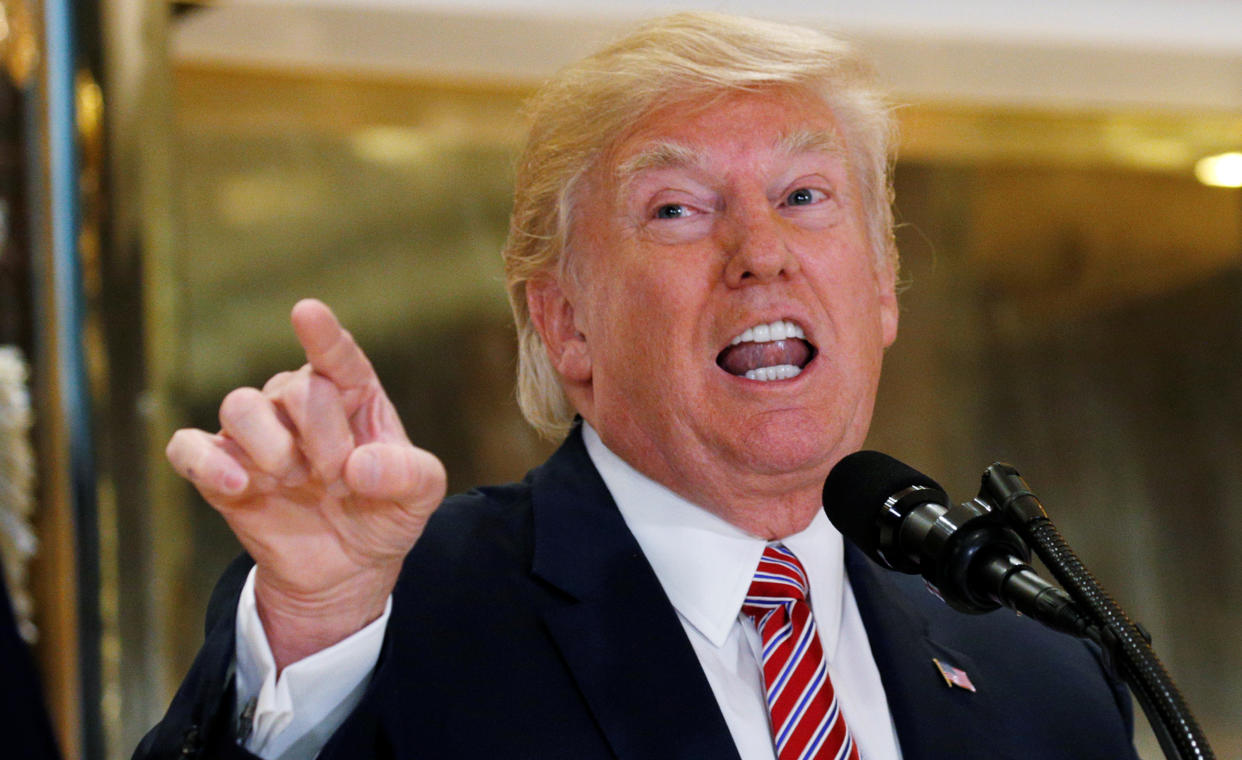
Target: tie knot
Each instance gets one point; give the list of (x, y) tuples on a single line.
[(779, 580)]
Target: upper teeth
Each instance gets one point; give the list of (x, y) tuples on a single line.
[(781, 329)]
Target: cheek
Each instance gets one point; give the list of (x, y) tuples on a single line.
[(655, 296), (649, 334), (865, 320)]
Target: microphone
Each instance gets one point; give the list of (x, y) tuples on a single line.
[(904, 521)]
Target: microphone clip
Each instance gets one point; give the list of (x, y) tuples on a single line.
[(921, 531)]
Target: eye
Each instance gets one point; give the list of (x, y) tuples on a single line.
[(671, 211), (804, 196)]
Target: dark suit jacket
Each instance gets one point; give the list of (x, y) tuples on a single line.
[(528, 624), (24, 721)]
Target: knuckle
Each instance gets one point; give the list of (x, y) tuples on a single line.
[(323, 392), (329, 456), (276, 381), (294, 394), (277, 456), (177, 445), (238, 403), (318, 384), (425, 475), (342, 343)]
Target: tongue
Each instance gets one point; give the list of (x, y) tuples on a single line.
[(737, 360)]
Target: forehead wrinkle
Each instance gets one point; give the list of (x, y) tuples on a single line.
[(811, 141), (670, 154)]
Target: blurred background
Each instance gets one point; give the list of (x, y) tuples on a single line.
[(174, 176)]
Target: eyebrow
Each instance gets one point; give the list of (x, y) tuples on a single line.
[(669, 154), (811, 141), (662, 154)]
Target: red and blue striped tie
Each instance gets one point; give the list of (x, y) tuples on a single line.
[(806, 720)]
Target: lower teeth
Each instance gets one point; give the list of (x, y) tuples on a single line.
[(778, 372)]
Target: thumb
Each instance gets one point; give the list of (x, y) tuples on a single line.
[(396, 472)]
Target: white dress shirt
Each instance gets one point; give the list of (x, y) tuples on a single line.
[(704, 564), (294, 715)]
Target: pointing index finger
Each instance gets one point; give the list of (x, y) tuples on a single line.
[(330, 348)]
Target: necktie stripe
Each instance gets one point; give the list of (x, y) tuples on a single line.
[(838, 733), (816, 734), (821, 733), (812, 688), (790, 662), (779, 637), (806, 719), (800, 708), (777, 571), (783, 570), (790, 570), (779, 585), (768, 600)]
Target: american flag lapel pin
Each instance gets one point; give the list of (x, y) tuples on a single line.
[(953, 676)]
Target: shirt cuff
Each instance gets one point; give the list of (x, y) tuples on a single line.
[(301, 709)]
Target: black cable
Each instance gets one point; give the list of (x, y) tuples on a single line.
[(1179, 734)]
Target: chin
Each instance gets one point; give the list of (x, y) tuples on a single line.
[(774, 449)]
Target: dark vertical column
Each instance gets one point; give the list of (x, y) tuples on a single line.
[(68, 459), (140, 499)]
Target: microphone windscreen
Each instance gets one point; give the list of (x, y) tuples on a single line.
[(858, 487)]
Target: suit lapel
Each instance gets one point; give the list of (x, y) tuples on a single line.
[(622, 641), (933, 720), (613, 624)]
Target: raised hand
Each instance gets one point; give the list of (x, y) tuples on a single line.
[(318, 480)]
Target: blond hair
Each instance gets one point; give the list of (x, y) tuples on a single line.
[(582, 111)]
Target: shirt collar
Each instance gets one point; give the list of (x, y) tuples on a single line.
[(705, 563)]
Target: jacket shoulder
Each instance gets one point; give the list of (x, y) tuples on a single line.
[(1040, 693)]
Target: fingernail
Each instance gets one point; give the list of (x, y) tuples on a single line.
[(235, 481)]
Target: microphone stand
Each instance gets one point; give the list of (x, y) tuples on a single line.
[(1123, 642)]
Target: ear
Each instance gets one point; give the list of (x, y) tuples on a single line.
[(555, 320), (886, 282)]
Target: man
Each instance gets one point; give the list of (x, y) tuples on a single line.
[(702, 272)]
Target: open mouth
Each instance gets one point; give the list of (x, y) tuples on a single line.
[(773, 351)]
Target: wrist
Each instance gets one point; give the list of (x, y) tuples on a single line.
[(300, 623)]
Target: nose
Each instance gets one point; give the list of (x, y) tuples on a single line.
[(757, 249)]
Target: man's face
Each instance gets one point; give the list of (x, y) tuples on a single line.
[(728, 315)]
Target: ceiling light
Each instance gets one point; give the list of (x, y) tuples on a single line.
[(1221, 170), (391, 145)]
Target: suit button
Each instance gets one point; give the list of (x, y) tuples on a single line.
[(191, 744)]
